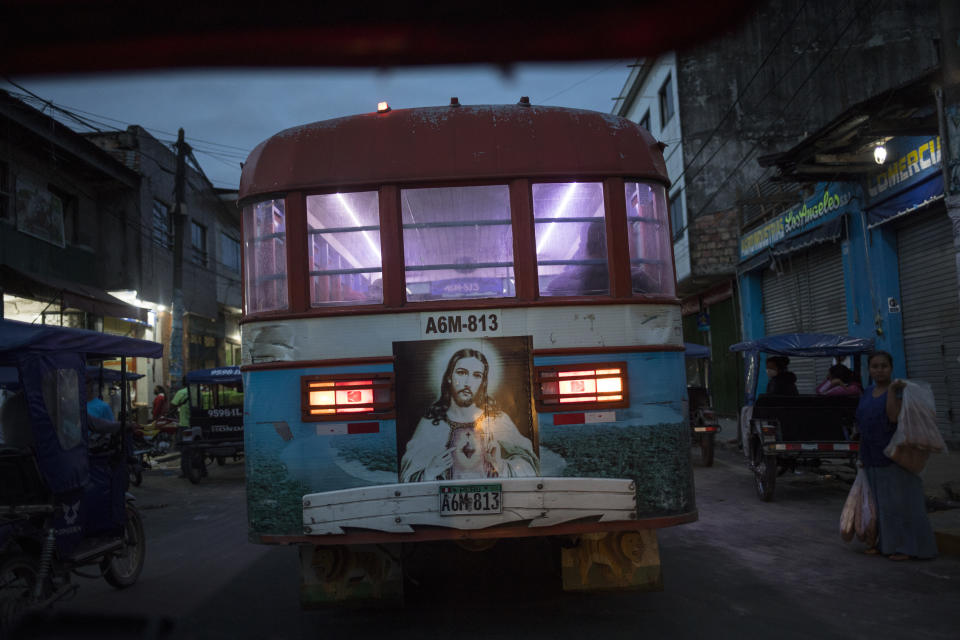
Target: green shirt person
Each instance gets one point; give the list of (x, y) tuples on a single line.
[(181, 400)]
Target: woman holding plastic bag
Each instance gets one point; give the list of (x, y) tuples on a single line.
[(903, 528)]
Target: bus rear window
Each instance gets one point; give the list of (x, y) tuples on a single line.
[(571, 239), (457, 242), (650, 258), (344, 248), (265, 256)]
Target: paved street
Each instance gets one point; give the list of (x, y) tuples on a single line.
[(746, 569)]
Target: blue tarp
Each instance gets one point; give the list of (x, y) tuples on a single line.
[(806, 344), (692, 350), (19, 337), (220, 375)]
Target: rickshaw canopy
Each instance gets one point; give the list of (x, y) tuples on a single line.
[(220, 375), (798, 345), (806, 345), (51, 363), (20, 337), (691, 350)]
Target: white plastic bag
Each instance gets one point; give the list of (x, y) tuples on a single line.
[(917, 435), (859, 515)]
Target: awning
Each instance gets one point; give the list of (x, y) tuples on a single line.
[(66, 294), (829, 231), (917, 197), (826, 232)]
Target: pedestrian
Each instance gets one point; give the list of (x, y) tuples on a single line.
[(903, 529), (181, 401), (781, 381), (159, 402)]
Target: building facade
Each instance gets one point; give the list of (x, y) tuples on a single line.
[(86, 240), (785, 71), (871, 252)]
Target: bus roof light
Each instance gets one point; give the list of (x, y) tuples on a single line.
[(383, 107), (524, 101), (454, 101)]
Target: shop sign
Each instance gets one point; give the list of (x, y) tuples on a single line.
[(912, 160), (820, 208)]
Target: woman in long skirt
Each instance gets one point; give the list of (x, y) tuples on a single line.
[(903, 528)]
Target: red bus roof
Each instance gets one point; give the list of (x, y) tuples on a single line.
[(440, 144)]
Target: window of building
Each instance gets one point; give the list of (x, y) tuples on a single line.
[(229, 252), (344, 248), (162, 227), (68, 205), (571, 239), (6, 193), (198, 243), (666, 102), (677, 219), (265, 256), (651, 266), (645, 120), (458, 242)]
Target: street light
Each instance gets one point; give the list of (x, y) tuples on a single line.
[(880, 154)]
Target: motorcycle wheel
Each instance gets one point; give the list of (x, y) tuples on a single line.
[(136, 473), (765, 473), (122, 569), (707, 441), (18, 577), (194, 468)]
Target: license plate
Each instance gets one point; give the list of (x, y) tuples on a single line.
[(470, 499)]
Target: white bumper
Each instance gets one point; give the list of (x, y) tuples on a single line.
[(541, 502)]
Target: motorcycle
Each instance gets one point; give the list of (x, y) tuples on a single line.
[(64, 505), (151, 441)]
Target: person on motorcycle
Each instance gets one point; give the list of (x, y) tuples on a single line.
[(96, 407)]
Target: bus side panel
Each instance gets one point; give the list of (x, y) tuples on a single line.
[(649, 441), (287, 458)]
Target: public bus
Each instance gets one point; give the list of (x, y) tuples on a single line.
[(461, 332)]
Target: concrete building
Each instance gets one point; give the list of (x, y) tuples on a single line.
[(211, 252), (86, 239), (787, 70), (871, 253)]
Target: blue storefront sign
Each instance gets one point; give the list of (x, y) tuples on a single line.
[(909, 180), (829, 202)]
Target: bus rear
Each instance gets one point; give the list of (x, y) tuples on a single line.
[(461, 331)]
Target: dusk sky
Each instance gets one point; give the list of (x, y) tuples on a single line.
[(226, 113)]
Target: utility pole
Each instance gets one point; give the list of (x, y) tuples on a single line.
[(179, 233), (948, 103)]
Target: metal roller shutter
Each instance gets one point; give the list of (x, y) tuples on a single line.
[(931, 312), (806, 295)]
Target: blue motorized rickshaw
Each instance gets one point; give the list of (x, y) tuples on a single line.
[(784, 432), (216, 420), (64, 504), (703, 419)]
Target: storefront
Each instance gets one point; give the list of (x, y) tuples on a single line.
[(792, 273), (907, 200)]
